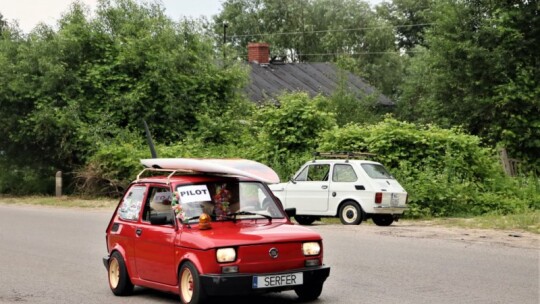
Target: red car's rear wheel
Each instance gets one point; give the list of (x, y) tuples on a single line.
[(119, 281)]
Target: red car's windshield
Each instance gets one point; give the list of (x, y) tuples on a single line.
[(222, 199)]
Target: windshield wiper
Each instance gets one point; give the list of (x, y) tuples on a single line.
[(234, 214)]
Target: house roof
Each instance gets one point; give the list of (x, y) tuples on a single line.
[(269, 80)]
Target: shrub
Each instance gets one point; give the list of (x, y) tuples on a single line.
[(109, 171), (293, 126), (423, 145), (445, 171), (26, 180)]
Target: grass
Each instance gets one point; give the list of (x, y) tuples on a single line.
[(528, 221), (63, 201)]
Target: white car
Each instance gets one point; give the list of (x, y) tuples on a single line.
[(353, 190)]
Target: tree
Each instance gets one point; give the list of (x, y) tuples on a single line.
[(3, 23), (295, 125), (410, 19), (316, 31), (482, 72), (96, 78)]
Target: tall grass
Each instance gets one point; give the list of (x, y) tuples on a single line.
[(526, 221)]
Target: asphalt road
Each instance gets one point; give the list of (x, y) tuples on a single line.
[(52, 255)]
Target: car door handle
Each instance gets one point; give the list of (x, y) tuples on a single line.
[(325, 187), (138, 231)]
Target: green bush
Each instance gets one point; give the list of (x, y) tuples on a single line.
[(445, 171), (438, 193), (294, 126), (110, 170), (24, 180), (423, 145)]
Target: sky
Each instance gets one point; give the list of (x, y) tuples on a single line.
[(28, 13)]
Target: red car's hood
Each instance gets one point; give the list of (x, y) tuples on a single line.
[(227, 234)]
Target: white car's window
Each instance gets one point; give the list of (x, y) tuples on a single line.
[(315, 172), (132, 203), (376, 171), (344, 173), (302, 177)]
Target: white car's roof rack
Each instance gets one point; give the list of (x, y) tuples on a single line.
[(342, 155)]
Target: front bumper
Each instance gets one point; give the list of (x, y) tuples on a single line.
[(241, 284), (106, 262)]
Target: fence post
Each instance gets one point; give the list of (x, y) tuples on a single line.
[(59, 183), (508, 164)]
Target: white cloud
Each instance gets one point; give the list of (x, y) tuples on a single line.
[(28, 13)]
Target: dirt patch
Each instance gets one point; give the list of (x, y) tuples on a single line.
[(520, 239), (431, 230)]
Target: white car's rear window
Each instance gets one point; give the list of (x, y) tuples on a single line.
[(376, 171), (344, 173)]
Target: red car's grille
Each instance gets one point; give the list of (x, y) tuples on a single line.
[(260, 259)]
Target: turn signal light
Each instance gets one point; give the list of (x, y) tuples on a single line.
[(312, 263), (229, 269), (204, 221)]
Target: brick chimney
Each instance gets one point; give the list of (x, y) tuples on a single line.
[(259, 53)]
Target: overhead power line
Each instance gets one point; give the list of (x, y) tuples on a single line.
[(359, 53), (332, 31)]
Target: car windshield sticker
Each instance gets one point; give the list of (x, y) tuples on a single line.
[(196, 193), (129, 210)]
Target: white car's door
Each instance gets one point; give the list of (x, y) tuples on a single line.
[(309, 191)]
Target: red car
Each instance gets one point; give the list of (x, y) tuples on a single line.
[(201, 235)]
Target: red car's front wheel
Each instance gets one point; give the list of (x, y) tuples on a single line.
[(189, 285)]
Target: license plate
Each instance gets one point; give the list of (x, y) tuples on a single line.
[(394, 200), (277, 280)]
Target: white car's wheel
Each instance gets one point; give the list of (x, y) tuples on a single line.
[(304, 219), (350, 213), (382, 219)]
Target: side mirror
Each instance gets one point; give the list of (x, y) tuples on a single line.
[(156, 219), (290, 212)]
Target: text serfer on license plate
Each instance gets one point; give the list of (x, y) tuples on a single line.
[(277, 280)]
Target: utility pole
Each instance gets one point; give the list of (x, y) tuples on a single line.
[(225, 25)]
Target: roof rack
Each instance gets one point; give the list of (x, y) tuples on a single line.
[(172, 172), (343, 155)]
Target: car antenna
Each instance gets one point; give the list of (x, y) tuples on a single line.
[(149, 140)]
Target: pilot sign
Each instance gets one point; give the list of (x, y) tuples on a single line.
[(196, 193)]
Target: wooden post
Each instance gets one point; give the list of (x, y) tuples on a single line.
[(58, 183), (506, 163)]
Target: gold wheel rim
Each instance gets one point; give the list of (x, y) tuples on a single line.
[(186, 285), (114, 272)]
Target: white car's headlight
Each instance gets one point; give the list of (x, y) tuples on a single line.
[(311, 248), (224, 255)]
